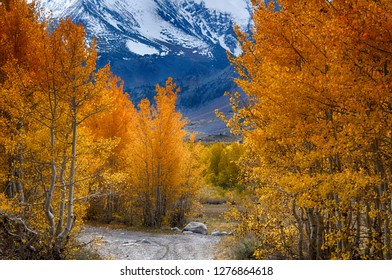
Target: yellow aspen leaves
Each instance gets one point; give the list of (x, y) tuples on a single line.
[(317, 126), (72, 144), (159, 165), (49, 164)]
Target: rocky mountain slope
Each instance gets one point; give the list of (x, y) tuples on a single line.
[(147, 41)]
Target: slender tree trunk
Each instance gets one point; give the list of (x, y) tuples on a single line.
[(60, 223), (369, 245), (320, 235), (158, 202), (300, 231), (357, 238), (71, 190), (19, 170), (16, 166), (383, 198), (72, 174), (49, 194), (338, 224), (313, 235), (386, 214)]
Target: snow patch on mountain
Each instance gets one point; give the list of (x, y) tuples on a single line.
[(239, 10), (140, 48)]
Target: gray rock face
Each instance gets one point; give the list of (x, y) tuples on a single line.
[(196, 227)]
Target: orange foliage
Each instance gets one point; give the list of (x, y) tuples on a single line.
[(49, 87), (70, 138), (318, 124), (157, 157)]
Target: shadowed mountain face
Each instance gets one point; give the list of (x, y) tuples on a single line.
[(147, 41)]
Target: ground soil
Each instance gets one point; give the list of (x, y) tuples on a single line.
[(121, 244), (142, 244)]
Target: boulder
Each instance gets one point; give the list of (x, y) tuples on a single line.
[(196, 227), (176, 229), (218, 233)]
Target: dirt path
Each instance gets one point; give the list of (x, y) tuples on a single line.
[(128, 245)]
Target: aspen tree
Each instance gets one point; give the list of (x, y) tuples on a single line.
[(157, 155), (114, 181), (50, 86), (18, 28), (317, 123)]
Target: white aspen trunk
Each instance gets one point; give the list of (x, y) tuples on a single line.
[(320, 234), (72, 174), (49, 195), (60, 223), (383, 203), (313, 235), (71, 190), (339, 223), (300, 231), (369, 231), (357, 234)]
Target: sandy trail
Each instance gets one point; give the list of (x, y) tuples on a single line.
[(119, 244)]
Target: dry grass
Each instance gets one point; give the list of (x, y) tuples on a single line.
[(213, 195), (230, 246), (213, 217)]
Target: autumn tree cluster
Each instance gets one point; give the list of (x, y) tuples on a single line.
[(161, 169), (222, 165), (71, 139), (317, 123)]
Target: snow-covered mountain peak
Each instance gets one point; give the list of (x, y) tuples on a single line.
[(146, 41), (157, 27)]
